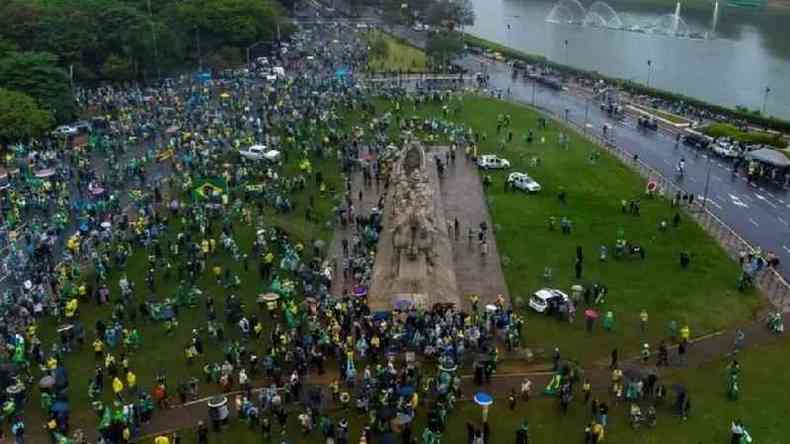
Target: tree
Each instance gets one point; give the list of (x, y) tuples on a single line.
[(450, 13), (19, 22), (7, 47), (21, 118), (37, 75), (117, 68), (444, 46)]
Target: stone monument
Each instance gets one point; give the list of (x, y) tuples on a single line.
[(414, 263)]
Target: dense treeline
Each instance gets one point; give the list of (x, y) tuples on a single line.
[(45, 45)]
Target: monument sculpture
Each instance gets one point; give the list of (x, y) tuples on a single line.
[(414, 264)]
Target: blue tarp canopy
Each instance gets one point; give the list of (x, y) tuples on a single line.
[(342, 73)]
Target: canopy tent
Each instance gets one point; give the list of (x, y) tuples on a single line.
[(771, 157)]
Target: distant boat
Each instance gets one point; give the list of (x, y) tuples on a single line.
[(746, 3)]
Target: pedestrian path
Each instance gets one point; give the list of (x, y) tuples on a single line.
[(465, 201)]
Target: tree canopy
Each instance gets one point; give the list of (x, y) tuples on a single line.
[(37, 75), (136, 39), (44, 42), (21, 118)]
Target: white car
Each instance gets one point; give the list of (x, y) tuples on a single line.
[(65, 130), (260, 152), (725, 149), (540, 299), (490, 161), (522, 181)]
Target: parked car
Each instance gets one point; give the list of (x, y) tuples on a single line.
[(725, 148), (696, 140), (260, 152), (543, 298), (522, 181), (491, 161), (65, 130)]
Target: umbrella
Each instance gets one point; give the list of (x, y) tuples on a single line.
[(381, 316), (270, 297), (402, 419), (590, 313), (60, 407), (451, 369), (106, 225), (360, 290), (47, 172), (406, 391), (46, 382), (483, 399), (403, 304)]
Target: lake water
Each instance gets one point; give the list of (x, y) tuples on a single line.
[(747, 52)]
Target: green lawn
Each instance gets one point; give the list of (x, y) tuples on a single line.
[(762, 407), (674, 118), (399, 56), (703, 295), (163, 352), (750, 137), (166, 352)]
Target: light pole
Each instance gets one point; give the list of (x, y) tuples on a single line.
[(153, 39), (253, 46), (200, 54), (509, 42), (765, 98), (707, 184), (566, 53), (649, 71)]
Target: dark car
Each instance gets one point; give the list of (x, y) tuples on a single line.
[(696, 141)]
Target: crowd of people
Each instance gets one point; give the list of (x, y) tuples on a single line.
[(151, 221)]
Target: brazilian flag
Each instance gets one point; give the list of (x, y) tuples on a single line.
[(206, 187)]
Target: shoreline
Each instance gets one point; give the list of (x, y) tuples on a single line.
[(764, 122)]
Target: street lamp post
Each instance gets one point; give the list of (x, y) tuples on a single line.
[(249, 48), (649, 71), (200, 54), (707, 185), (765, 98), (153, 40), (566, 53)]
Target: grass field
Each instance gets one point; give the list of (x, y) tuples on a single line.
[(704, 295), (750, 137), (761, 407), (399, 56), (674, 118), (162, 352)]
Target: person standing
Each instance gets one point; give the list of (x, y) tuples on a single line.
[(643, 321), (613, 363)]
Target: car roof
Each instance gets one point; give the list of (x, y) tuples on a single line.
[(548, 293)]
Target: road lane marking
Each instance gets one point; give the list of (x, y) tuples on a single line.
[(754, 222), (786, 248), (737, 201), (783, 221), (764, 199), (710, 201)]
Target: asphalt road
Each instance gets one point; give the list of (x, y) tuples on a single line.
[(760, 214)]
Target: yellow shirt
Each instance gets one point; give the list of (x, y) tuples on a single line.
[(117, 385), (131, 379)]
